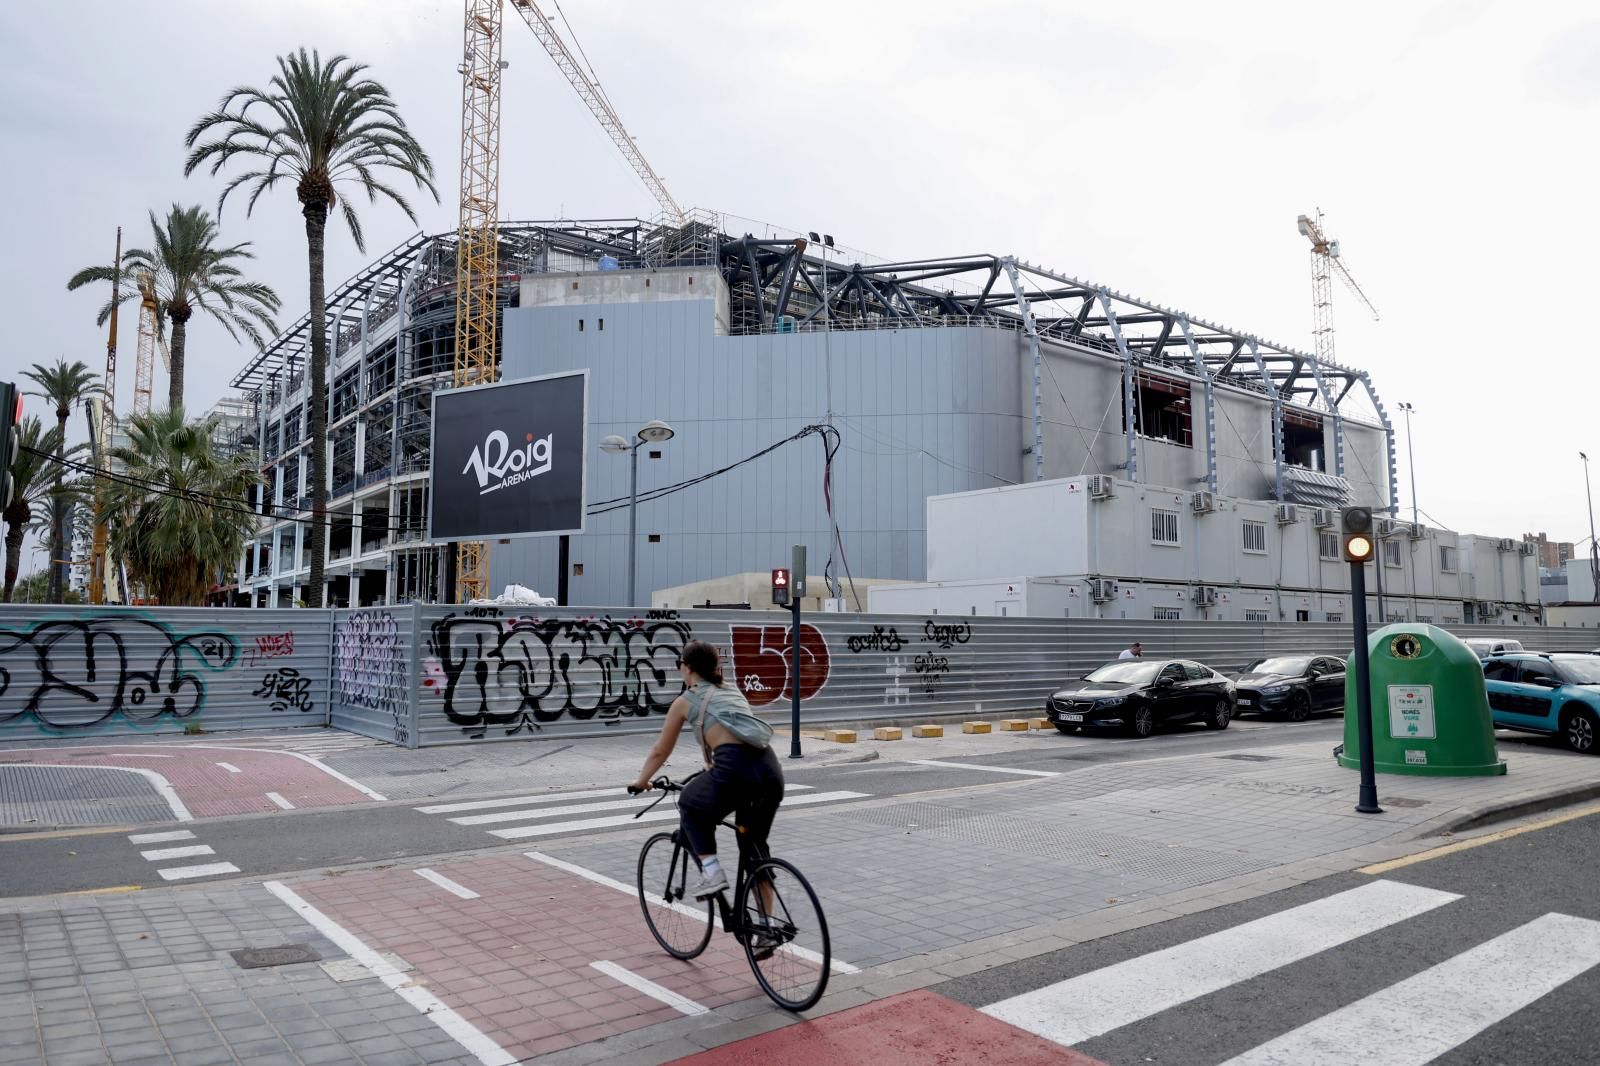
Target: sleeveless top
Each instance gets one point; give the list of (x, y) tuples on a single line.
[(707, 701)]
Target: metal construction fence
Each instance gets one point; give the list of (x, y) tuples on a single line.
[(418, 675)]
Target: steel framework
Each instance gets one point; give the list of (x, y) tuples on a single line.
[(776, 284), (102, 450), (145, 358), (477, 266)]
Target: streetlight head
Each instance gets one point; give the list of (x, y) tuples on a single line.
[(655, 431), (1583, 456), (614, 444)]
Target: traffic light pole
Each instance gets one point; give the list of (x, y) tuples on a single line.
[(1367, 798), (794, 677)]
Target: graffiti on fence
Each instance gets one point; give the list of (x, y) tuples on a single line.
[(882, 638), (369, 667), (946, 634), (761, 662), (77, 673), (287, 688), (270, 646), (518, 674), (930, 670)]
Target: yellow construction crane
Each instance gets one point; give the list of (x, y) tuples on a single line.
[(1326, 262), (477, 234), (594, 98), (151, 338), (102, 455)]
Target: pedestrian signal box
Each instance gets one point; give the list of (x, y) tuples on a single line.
[(780, 587)]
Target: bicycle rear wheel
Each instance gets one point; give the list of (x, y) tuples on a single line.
[(787, 918), (680, 924)]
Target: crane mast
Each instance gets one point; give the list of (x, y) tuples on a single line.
[(477, 236), (102, 457), (149, 332)]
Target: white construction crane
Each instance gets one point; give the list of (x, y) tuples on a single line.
[(594, 98), (1325, 262)]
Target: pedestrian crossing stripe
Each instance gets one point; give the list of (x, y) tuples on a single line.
[(1416, 1020), (546, 797), (1081, 1008), (551, 812), (523, 832)]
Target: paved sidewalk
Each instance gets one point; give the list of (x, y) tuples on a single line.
[(491, 957)]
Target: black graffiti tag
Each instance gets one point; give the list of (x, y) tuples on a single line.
[(76, 673), (946, 634), (287, 690), (882, 638), (521, 673), (369, 667)]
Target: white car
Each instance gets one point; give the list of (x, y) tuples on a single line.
[(1485, 648)]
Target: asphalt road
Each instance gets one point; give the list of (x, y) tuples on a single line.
[(1502, 886), (262, 845)]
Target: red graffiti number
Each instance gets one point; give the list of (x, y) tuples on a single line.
[(761, 662)]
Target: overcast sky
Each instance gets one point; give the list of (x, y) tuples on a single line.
[(1163, 149)]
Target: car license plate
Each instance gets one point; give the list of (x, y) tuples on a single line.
[(1072, 718), (1245, 703)]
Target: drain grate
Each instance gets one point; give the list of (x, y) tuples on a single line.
[(283, 955), (1242, 757)]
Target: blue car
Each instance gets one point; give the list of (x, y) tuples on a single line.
[(1556, 695)]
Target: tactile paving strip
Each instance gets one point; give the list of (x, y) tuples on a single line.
[(37, 796)]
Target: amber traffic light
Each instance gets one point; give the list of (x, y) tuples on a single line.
[(1356, 523)]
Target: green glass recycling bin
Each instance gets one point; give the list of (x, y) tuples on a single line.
[(1430, 711)]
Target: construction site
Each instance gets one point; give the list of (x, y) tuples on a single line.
[(918, 378)]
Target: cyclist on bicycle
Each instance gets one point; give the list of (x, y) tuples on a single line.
[(743, 772)]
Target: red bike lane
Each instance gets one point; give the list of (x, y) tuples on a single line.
[(204, 781), (517, 959)]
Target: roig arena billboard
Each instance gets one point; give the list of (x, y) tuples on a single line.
[(508, 458)]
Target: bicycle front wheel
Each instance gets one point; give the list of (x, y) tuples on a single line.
[(680, 924), (785, 934)]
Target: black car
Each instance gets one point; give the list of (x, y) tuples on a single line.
[(1292, 685), (1139, 694)]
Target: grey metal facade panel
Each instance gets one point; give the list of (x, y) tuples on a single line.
[(920, 412), (113, 671), (374, 677)]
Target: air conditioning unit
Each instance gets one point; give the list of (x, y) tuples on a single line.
[(1489, 610), (1205, 595), (1287, 513), (1324, 518), (1528, 547), (1102, 590), (1508, 545), (1102, 487), (1202, 502), (1416, 530), (1383, 527)]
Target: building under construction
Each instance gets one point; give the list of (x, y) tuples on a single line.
[(940, 376)]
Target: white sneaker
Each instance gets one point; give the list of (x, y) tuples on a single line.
[(709, 886)]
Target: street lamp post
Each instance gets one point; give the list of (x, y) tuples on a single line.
[(652, 432), (1411, 458), (1594, 545)]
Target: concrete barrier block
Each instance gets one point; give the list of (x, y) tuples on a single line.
[(1040, 723), (1013, 725), (976, 727), (840, 736), (927, 730), (887, 732)]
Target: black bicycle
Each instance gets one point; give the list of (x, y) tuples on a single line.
[(775, 915)]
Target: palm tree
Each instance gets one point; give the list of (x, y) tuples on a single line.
[(181, 512), (317, 125), (66, 386), (189, 269), (30, 487)]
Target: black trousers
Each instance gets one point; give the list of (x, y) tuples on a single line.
[(743, 780)]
